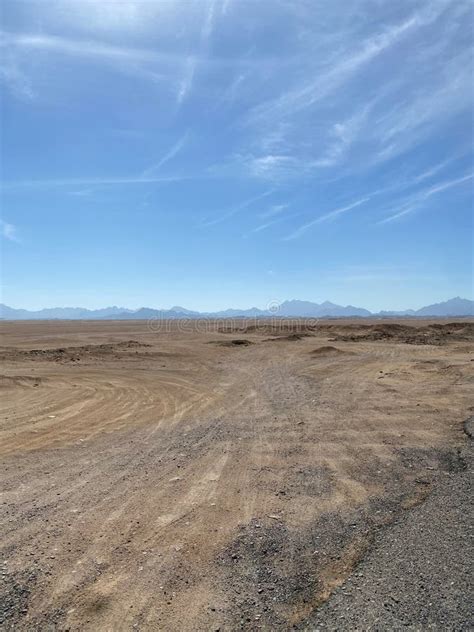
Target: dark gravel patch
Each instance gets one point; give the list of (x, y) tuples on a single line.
[(418, 573), (398, 562), (75, 353), (238, 342), (15, 592)]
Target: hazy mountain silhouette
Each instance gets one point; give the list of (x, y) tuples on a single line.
[(454, 307), (288, 309)]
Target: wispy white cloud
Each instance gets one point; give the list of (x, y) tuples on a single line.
[(208, 23), (169, 155), (126, 16), (239, 207), (264, 226), (230, 94), (186, 83), (79, 48), (285, 151), (411, 120), (402, 272), (399, 185), (151, 65), (95, 49), (187, 79), (270, 166), (337, 112), (8, 231), (225, 6), (81, 192), (272, 222), (343, 134), (315, 125), (417, 200), (326, 217), (145, 64), (16, 80), (442, 186), (275, 209), (442, 96), (74, 182), (432, 171), (274, 215), (303, 97)]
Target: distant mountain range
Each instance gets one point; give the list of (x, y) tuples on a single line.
[(288, 309)]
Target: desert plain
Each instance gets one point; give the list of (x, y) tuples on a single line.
[(236, 475)]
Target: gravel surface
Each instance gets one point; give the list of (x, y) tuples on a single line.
[(418, 575)]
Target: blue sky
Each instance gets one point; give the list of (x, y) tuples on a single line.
[(234, 153)]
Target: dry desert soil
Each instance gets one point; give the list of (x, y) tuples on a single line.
[(246, 475)]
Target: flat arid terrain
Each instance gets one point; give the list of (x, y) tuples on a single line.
[(255, 475)]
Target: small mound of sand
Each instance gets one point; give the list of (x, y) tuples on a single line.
[(329, 351), (290, 337)]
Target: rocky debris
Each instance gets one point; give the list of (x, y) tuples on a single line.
[(275, 327), (434, 334), (73, 354)]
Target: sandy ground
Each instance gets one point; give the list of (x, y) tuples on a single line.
[(231, 477)]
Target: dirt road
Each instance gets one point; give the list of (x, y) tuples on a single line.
[(222, 479)]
